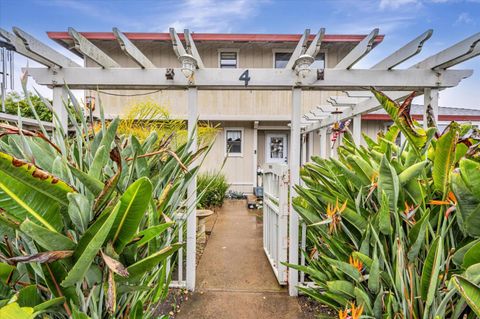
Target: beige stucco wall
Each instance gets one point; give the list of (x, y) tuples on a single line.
[(245, 103)]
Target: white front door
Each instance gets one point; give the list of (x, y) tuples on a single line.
[(276, 148)]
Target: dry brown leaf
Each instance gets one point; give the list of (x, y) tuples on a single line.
[(44, 257), (114, 265)]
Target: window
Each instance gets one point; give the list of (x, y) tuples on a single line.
[(281, 60), (234, 143), (228, 60)]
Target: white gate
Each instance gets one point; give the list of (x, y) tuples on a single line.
[(275, 217)]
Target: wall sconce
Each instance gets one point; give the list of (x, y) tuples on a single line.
[(189, 64), (302, 65)]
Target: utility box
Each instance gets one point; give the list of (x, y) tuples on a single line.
[(251, 201)]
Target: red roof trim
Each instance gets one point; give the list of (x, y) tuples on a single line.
[(385, 117), (214, 37)]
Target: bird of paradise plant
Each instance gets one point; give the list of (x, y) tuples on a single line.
[(410, 224)]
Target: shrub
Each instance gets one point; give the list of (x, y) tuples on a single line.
[(211, 187), (15, 101), (394, 231), (89, 220)]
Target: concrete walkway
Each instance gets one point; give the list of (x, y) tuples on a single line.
[(234, 277)]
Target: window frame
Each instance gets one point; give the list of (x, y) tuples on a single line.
[(219, 56), (242, 141), (275, 51)]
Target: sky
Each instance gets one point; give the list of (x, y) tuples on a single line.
[(399, 20)]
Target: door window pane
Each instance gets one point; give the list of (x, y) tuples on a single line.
[(277, 147), (234, 141)]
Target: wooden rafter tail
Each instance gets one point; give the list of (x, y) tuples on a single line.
[(404, 53), (360, 50), (19, 47), (193, 49), (457, 53), (132, 51), (38, 48), (177, 44), (91, 51), (299, 49)]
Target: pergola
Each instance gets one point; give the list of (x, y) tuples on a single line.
[(426, 77)]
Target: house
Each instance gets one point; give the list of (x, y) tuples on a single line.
[(254, 124)]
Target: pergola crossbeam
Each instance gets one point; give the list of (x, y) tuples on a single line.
[(260, 79), (132, 51), (406, 52), (40, 49), (360, 50), (91, 51)]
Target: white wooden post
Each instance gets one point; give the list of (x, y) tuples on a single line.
[(357, 129), (323, 142), (430, 96), (294, 179), (192, 192), (59, 98), (303, 147), (255, 153), (310, 147)]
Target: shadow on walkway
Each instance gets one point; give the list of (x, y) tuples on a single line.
[(234, 277)]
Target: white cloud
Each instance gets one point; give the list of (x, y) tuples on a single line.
[(395, 4), (464, 18), (210, 15)]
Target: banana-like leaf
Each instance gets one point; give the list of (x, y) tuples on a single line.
[(416, 237), (14, 311), (444, 158), (133, 205), (468, 206), (472, 256), (411, 172), (341, 286), (430, 271), (82, 263), (469, 291), (470, 171), (27, 191), (374, 276), (400, 114), (147, 264), (150, 233), (384, 220), (46, 238), (388, 183)]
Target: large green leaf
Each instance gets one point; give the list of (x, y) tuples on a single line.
[(412, 172), (472, 256), (133, 204), (444, 158), (14, 311), (431, 269), (470, 171), (36, 179), (147, 264), (27, 191), (468, 206), (469, 291), (388, 183), (416, 237), (46, 238), (82, 263)]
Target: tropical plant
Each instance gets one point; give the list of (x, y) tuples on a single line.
[(393, 231), (89, 221), (213, 187), (147, 116)]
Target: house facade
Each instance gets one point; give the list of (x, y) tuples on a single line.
[(254, 125)]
